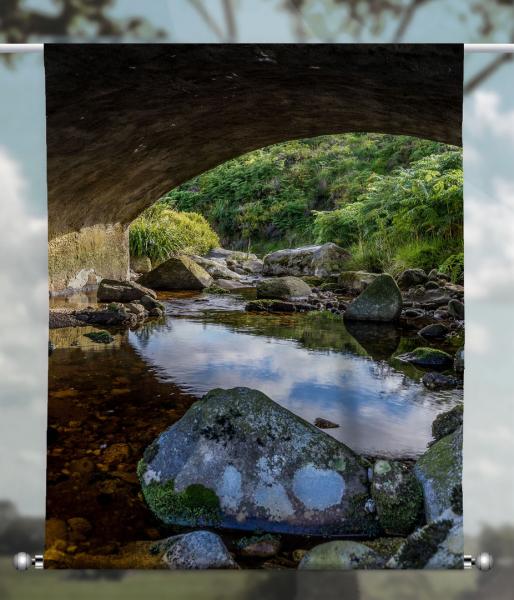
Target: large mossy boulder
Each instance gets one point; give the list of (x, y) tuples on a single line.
[(437, 545), (195, 550), (380, 301), (341, 555), (177, 273), (111, 290), (238, 460), (430, 358), (398, 497), (283, 288), (355, 282), (322, 261), (439, 472)]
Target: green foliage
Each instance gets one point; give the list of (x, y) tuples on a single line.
[(453, 266), (275, 197), (160, 232), (412, 217)]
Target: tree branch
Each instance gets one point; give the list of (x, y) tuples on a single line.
[(486, 72), (228, 9), (208, 20), (408, 15)]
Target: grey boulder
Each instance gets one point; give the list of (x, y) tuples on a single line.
[(439, 471), (178, 273), (111, 290), (380, 301), (238, 460), (322, 261), (196, 550), (283, 288)]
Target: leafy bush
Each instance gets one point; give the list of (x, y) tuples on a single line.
[(453, 266), (276, 196), (160, 232), (412, 217)]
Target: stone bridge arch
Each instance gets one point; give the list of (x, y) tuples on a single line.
[(127, 123)]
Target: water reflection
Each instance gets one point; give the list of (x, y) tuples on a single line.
[(313, 367)]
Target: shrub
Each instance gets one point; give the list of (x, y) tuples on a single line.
[(453, 266), (160, 232)]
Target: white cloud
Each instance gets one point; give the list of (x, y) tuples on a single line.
[(489, 240), (23, 323), (486, 114)]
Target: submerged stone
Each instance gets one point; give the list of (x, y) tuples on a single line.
[(100, 337), (341, 555), (261, 546), (177, 273), (380, 301), (283, 288), (439, 472), (195, 550), (239, 460), (398, 497), (380, 340)]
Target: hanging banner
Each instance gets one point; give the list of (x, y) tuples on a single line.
[(256, 280)]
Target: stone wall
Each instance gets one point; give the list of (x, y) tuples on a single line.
[(79, 259)]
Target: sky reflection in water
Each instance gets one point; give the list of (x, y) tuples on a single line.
[(380, 410)]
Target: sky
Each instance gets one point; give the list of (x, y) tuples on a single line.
[(489, 239)]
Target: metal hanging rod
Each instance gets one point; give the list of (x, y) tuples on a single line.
[(468, 48)]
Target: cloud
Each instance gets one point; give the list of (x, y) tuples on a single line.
[(23, 323), (489, 240), (487, 115)]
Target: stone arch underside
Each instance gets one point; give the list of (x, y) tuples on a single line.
[(127, 123)]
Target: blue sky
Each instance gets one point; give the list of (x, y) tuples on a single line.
[(489, 227)]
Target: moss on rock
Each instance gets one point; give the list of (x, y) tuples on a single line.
[(398, 497), (448, 422), (427, 357), (195, 505), (100, 337)]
